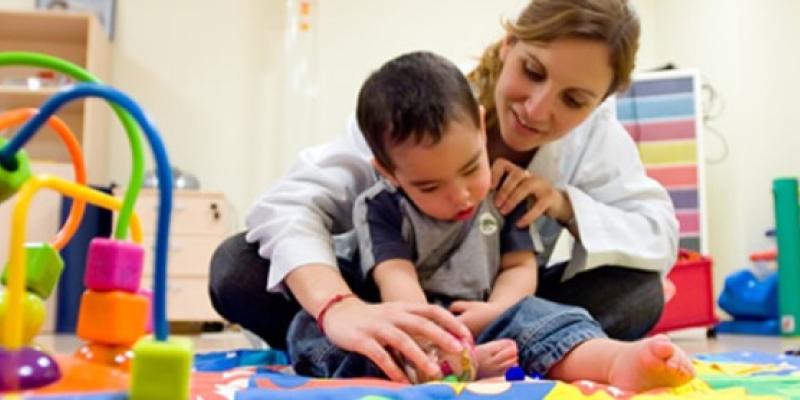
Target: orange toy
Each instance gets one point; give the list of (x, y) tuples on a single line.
[(115, 318)]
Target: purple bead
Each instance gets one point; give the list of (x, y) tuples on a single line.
[(26, 369), (515, 374)]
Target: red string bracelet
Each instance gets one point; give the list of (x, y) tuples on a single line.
[(330, 303)]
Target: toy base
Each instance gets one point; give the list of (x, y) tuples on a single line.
[(80, 376), (770, 327)]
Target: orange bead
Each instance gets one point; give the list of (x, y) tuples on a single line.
[(113, 318)]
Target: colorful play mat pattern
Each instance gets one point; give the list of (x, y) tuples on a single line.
[(262, 374)]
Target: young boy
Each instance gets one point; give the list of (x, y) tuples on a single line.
[(427, 233)]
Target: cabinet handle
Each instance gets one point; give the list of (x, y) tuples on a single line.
[(215, 210)]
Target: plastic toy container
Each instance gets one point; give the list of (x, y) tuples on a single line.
[(693, 302)]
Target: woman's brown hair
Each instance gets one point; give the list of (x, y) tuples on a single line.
[(613, 22)]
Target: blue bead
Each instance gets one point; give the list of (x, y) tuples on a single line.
[(515, 374), (537, 376)]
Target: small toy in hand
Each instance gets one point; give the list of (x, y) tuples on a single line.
[(461, 366)]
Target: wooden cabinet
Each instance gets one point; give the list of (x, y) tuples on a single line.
[(200, 222), (80, 39)]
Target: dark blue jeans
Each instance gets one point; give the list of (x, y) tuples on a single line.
[(626, 302), (544, 331)]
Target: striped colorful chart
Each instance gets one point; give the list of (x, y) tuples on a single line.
[(661, 111)]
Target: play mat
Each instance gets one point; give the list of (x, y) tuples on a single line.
[(262, 374)]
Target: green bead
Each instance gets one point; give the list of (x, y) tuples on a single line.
[(12, 179), (450, 378), (161, 369), (33, 313), (43, 268)]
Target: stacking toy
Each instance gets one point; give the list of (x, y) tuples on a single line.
[(42, 270), (114, 356), (114, 318), (164, 368), (13, 173), (34, 310), (25, 369), (114, 265)]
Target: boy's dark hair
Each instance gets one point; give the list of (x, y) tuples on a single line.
[(415, 95)]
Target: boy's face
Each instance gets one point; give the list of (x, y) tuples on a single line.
[(446, 181)]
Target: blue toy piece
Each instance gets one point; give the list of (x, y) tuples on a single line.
[(515, 374), (745, 297), (768, 327), (536, 376)]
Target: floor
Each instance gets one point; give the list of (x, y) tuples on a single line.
[(693, 341)]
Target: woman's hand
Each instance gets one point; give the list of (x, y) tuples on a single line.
[(518, 184), (370, 329), (476, 315)]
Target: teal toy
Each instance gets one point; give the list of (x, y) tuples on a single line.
[(787, 229)]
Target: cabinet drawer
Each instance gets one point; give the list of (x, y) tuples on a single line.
[(192, 213), (188, 255), (187, 299)]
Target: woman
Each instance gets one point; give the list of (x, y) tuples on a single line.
[(552, 139)]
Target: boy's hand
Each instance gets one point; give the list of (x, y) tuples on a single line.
[(476, 315)]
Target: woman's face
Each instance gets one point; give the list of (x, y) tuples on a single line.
[(546, 89)]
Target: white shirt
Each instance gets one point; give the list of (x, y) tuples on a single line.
[(624, 217)]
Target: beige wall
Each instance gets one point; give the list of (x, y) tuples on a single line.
[(204, 71), (746, 50)]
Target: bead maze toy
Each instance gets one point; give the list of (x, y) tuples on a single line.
[(114, 310)]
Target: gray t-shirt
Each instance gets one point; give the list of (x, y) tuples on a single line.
[(454, 259)]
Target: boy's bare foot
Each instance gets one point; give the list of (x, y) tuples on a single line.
[(649, 363), (495, 357)]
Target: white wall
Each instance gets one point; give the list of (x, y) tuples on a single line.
[(742, 47), (746, 50), (207, 72), (211, 73), (16, 4), (204, 71), (356, 36)]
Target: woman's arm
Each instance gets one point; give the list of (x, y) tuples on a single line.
[(623, 216), (294, 222), (295, 219)]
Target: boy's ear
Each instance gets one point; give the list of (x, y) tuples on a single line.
[(384, 172)]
